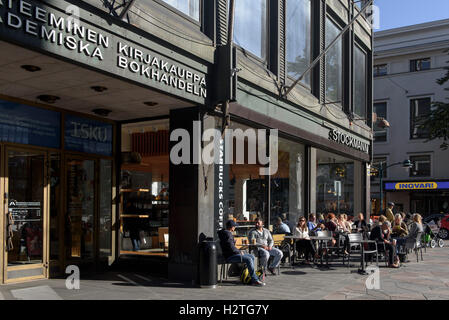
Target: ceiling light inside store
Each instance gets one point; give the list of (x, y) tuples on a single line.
[(150, 103), (99, 88), (48, 98), (30, 68), (102, 112)]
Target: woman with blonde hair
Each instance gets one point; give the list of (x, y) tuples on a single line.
[(399, 227)]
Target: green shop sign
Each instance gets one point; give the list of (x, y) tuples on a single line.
[(34, 24)]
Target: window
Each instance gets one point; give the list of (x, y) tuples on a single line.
[(334, 64), (421, 166), (188, 7), (299, 38), (359, 82), (380, 134), (250, 26), (375, 172), (419, 108), (334, 173), (380, 70), (419, 64)]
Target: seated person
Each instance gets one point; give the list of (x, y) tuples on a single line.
[(313, 225), (415, 228), (361, 223), (281, 227), (304, 243), (233, 255), (331, 223), (263, 237), (381, 234), (399, 227)]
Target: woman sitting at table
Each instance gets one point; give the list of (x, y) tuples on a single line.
[(331, 222), (343, 231), (303, 242), (381, 234), (399, 227)]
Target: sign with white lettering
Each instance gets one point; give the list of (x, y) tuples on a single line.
[(36, 25), (29, 125), (349, 141), (87, 135)]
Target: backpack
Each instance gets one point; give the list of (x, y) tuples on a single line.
[(245, 277)]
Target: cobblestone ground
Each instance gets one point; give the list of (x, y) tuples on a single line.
[(428, 279)]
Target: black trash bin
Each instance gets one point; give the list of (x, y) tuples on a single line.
[(208, 263)]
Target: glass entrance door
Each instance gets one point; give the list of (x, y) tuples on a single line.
[(81, 207), (26, 214)]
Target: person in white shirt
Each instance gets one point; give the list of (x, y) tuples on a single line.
[(303, 243)]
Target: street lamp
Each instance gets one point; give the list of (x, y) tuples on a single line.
[(406, 164)]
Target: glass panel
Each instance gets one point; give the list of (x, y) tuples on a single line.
[(248, 190), (55, 201), (380, 70), (80, 208), (334, 63), (26, 207), (298, 38), (105, 208), (250, 26), (421, 166), (334, 172), (287, 185), (419, 108), (188, 7), (380, 134), (359, 82)]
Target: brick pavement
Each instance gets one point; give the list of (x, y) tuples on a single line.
[(428, 279)]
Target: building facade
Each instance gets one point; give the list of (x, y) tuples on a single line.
[(407, 63), (96, 96)]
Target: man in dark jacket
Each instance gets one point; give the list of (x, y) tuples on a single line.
[(233, 255)]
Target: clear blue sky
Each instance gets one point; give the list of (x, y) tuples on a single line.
[(401, 13)]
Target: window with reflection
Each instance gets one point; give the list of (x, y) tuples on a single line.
[(287, 185), (299, 38), (188, 7), (359, 82), (334, 63), (335, 183), (248, 189), (250, 26)]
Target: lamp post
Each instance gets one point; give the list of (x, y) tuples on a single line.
[(406, 164)]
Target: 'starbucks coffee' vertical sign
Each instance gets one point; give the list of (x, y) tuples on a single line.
[(221, 192)]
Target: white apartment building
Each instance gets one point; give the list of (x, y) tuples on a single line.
[(407, 63)]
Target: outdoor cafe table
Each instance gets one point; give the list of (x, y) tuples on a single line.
[(314, 238)]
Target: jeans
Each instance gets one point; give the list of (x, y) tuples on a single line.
[(265, 255), (136, 244), (247, 259), (400, 242)]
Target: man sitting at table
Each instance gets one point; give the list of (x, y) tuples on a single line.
[(233, 255), (265, 249), (281, 227)]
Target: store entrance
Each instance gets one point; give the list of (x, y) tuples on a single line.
[(26, 218)]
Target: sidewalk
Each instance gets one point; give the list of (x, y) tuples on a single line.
[(428, 279)]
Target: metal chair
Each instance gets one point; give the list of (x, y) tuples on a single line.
[(221, 261), (415, 245), (354, 245), (325, 245)]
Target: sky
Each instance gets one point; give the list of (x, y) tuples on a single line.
[(401, 13)]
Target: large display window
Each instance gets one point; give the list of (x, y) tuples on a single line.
[(144, 198), (334, 183)]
